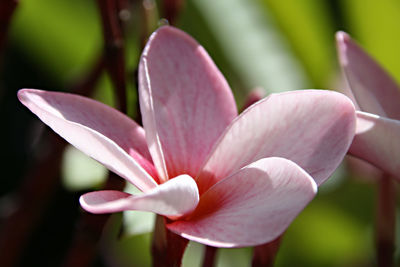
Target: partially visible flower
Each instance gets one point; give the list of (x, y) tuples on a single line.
[(377, 96), (222, 179)]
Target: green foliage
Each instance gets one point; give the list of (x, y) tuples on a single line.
[(307, 24), (81, 172), (63, 37), (251, 45)]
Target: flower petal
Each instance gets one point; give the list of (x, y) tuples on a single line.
[(251, 207), (374, 89), (183, 97), (378, 141), (313, 128), (174, 198), (97, 130)]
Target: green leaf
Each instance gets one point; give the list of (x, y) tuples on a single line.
[(137, 222), (125, 250), (231, 257), (62, 36), (308, 26), (325, 235), (251, 44), (80, 172), (193, 256)]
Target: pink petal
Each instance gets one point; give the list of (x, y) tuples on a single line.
[(378, 142), (185, 101), (374, 89), (174, 198), (97, 130), (251, 207), (313, 128)]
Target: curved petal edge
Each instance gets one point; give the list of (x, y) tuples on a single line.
[(313, 128), (186, 102), (69, 116), (253, 206), (175, 198), (377, 141)]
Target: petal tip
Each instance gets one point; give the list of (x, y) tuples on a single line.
[(164, 33), (342, 36), (23, 95), (84, 204), (342, 41)]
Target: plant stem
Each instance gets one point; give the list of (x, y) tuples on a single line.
[(264, 255), (386, 221), (114, 48), (38, 186), (84, 245), (35, 193), (149, 18), (90, 228), (254, 96), (7, 8), (210, 254), (171, 10), (167, 247)]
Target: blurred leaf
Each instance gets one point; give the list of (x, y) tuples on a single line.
[(133, 250), (252, 44), (80, 172), (125, 251), (308, 26), (234, 257), (376, 25), (193, 256), (104, 91), (62, 36), (137, 222), (335, 180), (324, 235)]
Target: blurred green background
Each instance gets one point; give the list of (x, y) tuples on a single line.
[(275, 45)]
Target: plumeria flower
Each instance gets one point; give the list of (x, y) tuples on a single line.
[(377, 98), (221, 179)]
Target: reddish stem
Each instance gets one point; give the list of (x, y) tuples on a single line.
[(171, 10), (38, 187), (210, 254), (386, 221), (264, 255), (167, 247), (84, 245), (254, 96), (114, 47), (90, 227), (7, 8), (149, 18), (35, 193)]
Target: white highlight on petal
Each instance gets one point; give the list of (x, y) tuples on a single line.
[(174, 198)]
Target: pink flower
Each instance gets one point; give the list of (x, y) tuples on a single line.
[(222, 179), (377, 139)]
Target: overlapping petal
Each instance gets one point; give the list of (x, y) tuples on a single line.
[(99, 131), (378, 142), (174, 198), (375, 91), (185, 101), (251, 207), (253, 173), (313, 128)]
